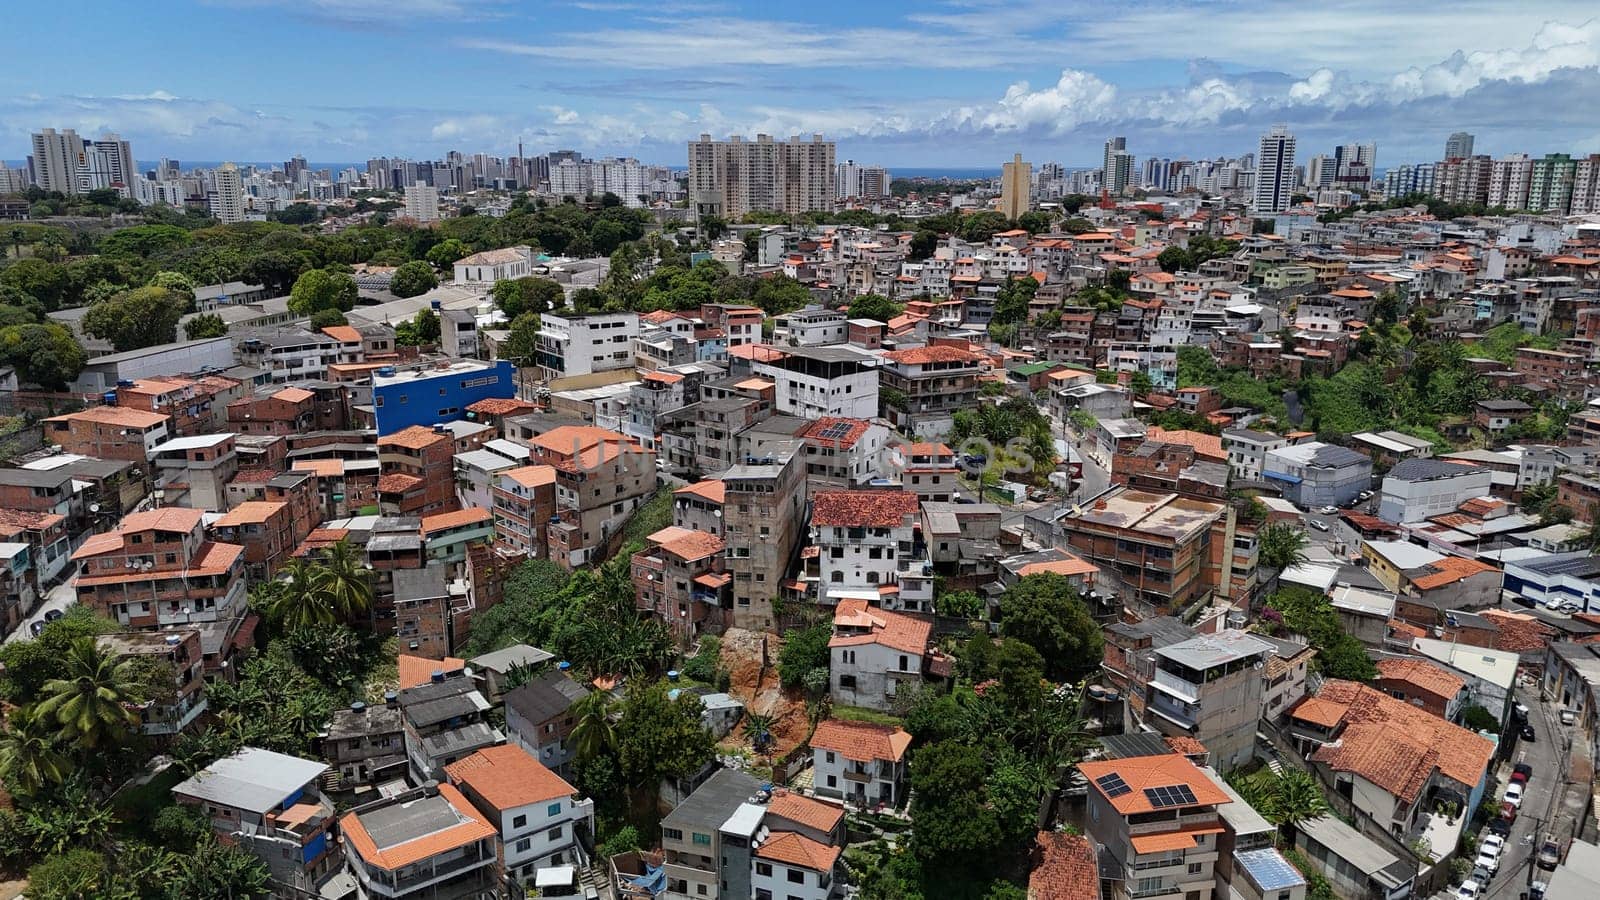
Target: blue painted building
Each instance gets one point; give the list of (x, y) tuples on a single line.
[(427, 394)]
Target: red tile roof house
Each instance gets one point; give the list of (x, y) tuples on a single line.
[(1422, 684), (874, 651), (1391, 761), (862, 762), (535, 810)]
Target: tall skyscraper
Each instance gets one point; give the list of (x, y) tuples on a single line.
[(1274, 170), (1586, 185), (1550, 183), (857, 182), (57, 160), (1016, 179), (422, 202), (1458, 146), (734, 177), (1319, 172), (227, 199), (1509, 177), (1116, 170), (1353, 165)]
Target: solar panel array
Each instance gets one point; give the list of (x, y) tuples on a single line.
[(1270, 870), (1113, 785), (1174, 795), (836, 431)]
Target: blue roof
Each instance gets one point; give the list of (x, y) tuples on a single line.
[(1269, 870), (1281, 476)]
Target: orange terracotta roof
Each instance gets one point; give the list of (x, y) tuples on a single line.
[(1182, 839), (344, 334), (1395, 745), (1141, 772), (1448, 571), (293, 395), (1069, 567), (1065, 869), (171, 518), (663, 377), (1186, 745), (711, 489), (794, 849), (756, 352), (457, 519), (255, 476), (834, 431), (894, 630), (532, 476), (863, 509), (416, 671), (861, 741), (928, 448), (1205, 445), (414, 438), (1318, 712), (124, 416), (500, 406), (322, 468), (921, 356), (398, 483), (250, 512), (506, 777), (686, 544), (1421, 674), (214, 558), (1519, 632), (807, 811), (470, 827)]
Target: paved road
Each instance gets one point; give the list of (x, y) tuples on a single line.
[(1549, 761), (57, 598)]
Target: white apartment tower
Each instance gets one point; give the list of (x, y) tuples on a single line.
[(1353, 164), (108, 163), (422, 202), (1274, 171), (734, 177), (1458, 146), (57, 160), (1509, 177), (1117, 167), (857, 182), (1586, 185), (227, 200)]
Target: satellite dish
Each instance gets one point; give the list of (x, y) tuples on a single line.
[(94, 507)]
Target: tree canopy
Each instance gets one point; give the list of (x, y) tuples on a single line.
[(1045, 612)]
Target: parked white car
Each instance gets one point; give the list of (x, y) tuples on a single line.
[(1469, 891), (1513, 794), (1488, 859), (1492, 842)]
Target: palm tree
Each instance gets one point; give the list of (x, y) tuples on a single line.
[(29, 755), (92, 704), (1296, 797), (758, 729), (593, 732), (297, 599), (1281, 546), (344, 580)]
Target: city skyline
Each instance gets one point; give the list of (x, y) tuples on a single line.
[(959, 84)]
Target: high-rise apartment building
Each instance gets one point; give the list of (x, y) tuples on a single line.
[(1403, 180), (227, 196), (1016, 180), (1462, 180), (1458, 146), (1319, 171), (857, 182), (1353, 165), (1586, 185), (1116, 166), (734, 177), (57, 159), (1550, 183), (1274, 170), (422, 202), (107, 163), (12, 181), (1508, 181)]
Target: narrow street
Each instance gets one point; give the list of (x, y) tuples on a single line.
[(1547, 756), (57, 598)]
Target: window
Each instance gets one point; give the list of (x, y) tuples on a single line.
[(554, 834), (1194, 868), (553, 809), (763, 868), (847, 682), (524, 844), (672, 834), (796, 876), (703, 840), (519, 821)]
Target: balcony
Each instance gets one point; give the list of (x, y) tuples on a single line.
[(1178, 686), (859, 777)]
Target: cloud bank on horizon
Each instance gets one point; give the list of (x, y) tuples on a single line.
[(959, 82)]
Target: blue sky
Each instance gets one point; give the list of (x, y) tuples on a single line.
[(930, 83)]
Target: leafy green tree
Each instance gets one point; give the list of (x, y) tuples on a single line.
[(78, 874), (296, 599), (1011, 303), (91, 703), (958, 829), (803, 649), (1045, 612), (178, 285), (205, 325), (522, 346), (413, 278), (296, 214), (1477, 718), (343, 579), (593, 732), (1280, 546), (659, 737), (144, 241), (30, 753), (758, 728), (221, 870), (44, 281), (132, 320), (320, 289), (47, 355), (516, 296), (327, 318), (274, 705), (959, 604), (445, 253)]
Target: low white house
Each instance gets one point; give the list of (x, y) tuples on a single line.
[(860, 762), (873, 652), (536, 812), (495, 265)]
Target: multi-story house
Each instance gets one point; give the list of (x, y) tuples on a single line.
[(1317, 474), (412, 465), (573, 345), (699, 506), (269, 805), (810, 327), (539, 717), (1549, 367), (194, 405), (763, 521), (524, 502), (109, 432), (477, 474), (812, 382), (1156, 818), (1153, 550), (158, 570), (266, 531), (870, 550), (863, 763), (291, 410), (289, 354), (195, 471), (1423, 685), (929, 470), (18, 592), (1395, 763), (427, 843), (538, 814), (48, 541), (445, 719), (601, 477), (1247, 450), (678, 578), (179, 649), (366, 745), (843, 454), (930, 384), (1210, 688), (874, 651)]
